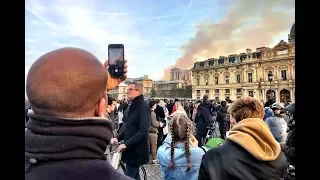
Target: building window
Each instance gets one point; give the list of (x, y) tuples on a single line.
[(198, 91), (217, 99), (249, 77), (124, 90), (227, 91), (239, 90), (238, 78), (237, 67), (227, 79), (198, 81), (216, 80), (207, 82), (251, 93), (207, 91), (216, 91), (284, 75), (249, 65)]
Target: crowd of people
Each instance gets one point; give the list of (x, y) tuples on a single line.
[(71, 122)]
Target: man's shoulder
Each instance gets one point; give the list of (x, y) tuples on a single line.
[(144, 105), (202, 107), (227, 150), (144, 109), (231, 156), (227, 153), (75, 169)]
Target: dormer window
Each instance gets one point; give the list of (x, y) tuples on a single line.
[(220, 61), (232, 59), (211, 62)]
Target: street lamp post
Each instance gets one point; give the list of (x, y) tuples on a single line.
[(259, 88), (270, 75)]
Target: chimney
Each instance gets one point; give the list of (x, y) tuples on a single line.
[(248, 51)]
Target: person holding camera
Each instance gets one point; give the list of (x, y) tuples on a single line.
[(68, 131)]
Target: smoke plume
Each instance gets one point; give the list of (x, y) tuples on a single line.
[(247, 24)]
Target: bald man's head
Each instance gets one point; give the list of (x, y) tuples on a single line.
[(66, 82)]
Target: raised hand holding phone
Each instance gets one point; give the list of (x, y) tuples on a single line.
[(115, 81), (116, 65), (116, 60)]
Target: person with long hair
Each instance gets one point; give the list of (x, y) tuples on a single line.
[(179, 156)]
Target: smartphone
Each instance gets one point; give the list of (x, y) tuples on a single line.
[(116, 60)]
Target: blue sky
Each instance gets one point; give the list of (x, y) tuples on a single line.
[(152, 31)]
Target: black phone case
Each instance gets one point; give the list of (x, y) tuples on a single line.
[(118, 69)]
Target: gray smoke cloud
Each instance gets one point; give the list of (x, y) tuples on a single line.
[(248, 24)]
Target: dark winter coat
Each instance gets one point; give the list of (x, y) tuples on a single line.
[(170, 107), (290, 148), (160, 117), (202, 119), (249, 153), (211, 108), (136, 133), (68, 149), (221, 114)]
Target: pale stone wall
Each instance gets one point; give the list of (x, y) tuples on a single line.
[(281, 57)]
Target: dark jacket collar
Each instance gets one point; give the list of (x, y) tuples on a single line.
[(56, 139), (138, 99)]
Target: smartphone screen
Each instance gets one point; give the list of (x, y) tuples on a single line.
[(116, 59), (116, 56)]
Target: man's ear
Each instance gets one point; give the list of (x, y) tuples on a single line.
[(101, 108)]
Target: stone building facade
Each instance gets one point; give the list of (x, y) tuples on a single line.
[(247, 73), (145, 81), (164, 88), (177, 74), (119, 92)]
